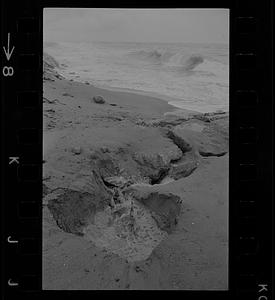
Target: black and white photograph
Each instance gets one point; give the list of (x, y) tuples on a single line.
[(135, 149)]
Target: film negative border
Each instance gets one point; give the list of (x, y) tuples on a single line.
[(250, 147)]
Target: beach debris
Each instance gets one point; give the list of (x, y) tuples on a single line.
[(99, 99), (67, 95), (113, 104), (105, 149), (76, 150)]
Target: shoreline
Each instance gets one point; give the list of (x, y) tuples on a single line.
[(169, 99)]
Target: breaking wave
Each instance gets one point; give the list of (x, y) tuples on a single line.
[(178, 59), (182, 61)]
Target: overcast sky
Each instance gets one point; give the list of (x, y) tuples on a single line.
[(136, 25)]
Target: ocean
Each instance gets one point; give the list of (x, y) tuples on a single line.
[(190, 76)]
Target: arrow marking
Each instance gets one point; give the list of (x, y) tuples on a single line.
[(8, 53), (11, 241)]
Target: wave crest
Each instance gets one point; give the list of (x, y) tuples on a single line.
[(193, 61), (177, 59), (155, 56)]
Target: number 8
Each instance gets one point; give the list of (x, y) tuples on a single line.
[(8, 71)]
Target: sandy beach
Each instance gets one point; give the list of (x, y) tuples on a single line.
[(122, 150)]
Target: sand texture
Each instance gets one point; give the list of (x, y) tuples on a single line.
[(135, 191)]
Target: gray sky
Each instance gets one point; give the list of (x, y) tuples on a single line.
[(136, 25)]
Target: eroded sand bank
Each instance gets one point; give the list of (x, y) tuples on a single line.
[(135, 192)]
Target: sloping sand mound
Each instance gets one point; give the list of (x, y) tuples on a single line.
[(133, 235)]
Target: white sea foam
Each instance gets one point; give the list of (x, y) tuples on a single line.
[(196, 76)]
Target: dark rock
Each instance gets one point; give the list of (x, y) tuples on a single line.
[(99, 99)]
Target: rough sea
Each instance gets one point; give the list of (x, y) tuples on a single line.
[(189, 76)]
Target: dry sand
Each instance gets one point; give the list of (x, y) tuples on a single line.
[(193, 256)]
